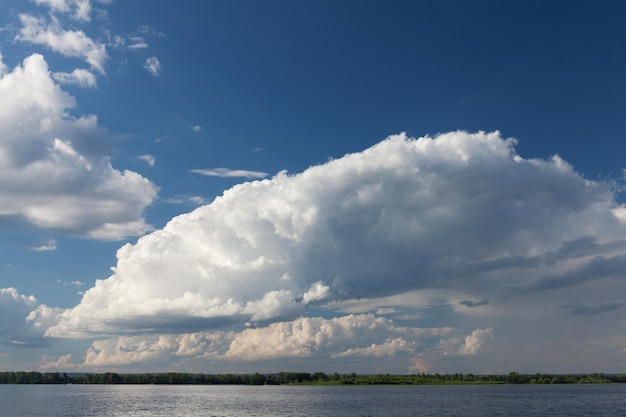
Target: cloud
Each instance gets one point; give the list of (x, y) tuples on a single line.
[(24, 320), (68, 43), (592, 309), (230, 173), (194, 199), (62, 364), (475, 341), (461, 213), (80, 9), (137, 43), (82, 77), (153, 66), (149, 30), (55, 168), (50, 245), (76, 283), (3, 66), (390, 347), (470, 303), (469, 345), (340, 337), (149, 159), (595, 268)]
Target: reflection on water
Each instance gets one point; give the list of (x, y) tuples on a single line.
[(312, 401)]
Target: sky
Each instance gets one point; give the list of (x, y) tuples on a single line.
[(353, 186)]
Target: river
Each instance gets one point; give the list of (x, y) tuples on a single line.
[(604, 400)]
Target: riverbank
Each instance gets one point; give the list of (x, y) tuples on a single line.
[(303, 378)]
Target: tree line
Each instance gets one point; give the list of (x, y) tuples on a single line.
[(291, 378)]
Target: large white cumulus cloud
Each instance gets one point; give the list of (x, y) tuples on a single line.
[(453, 211), (55, 170)]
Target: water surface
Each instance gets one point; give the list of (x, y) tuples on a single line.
[(604, 400)]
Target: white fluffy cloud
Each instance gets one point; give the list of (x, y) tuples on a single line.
[(340, 337), (69, 43), (475, 341), (458, 212), (56, 174), (82, 77)]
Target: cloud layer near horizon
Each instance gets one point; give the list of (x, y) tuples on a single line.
[(459, 212), (55, 167)]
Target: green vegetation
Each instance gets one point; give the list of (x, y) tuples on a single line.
[(291, 378)]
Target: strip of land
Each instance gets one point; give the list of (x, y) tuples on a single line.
[(303, 378)]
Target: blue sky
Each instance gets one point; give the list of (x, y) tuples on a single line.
[(365, 186)]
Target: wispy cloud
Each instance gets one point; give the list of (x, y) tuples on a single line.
[(137, 43), (72, 283), (148, 159), (49, 245), (194, 199), (230, 173), (80, 9)]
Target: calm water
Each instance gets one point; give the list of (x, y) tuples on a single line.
[(312, 401)]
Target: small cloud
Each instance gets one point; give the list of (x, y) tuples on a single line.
[(230, 173), (175, 200), (153, 66), (162, 138), (117, 41), (186, 123), (390, 347), (149, 30), (49, 245), (257, 149), (475, 341), (149, 159), (72, 283), (137, 43), (63, 363), (471, 304), (195, 199), (82, 77)]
